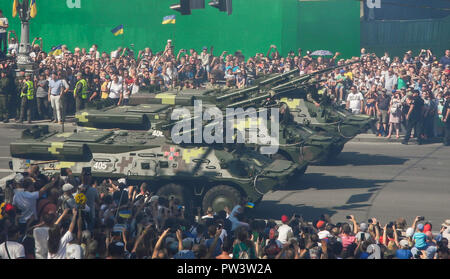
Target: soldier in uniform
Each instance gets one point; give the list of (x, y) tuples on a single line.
[(80, 92), (15, 96), (5, 87), (27, 98), (446, 119)]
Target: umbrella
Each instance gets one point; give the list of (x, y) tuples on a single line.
[(322, 53)]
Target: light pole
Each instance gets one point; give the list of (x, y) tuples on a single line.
[(23, 58)]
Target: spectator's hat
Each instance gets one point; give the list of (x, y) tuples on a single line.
[(18, 178), (284, 219), (420, 227), (427, 228), (320, 224), (187, 244), (404, 243), (107, 77), (409, 232), (363, 227), (204, 48), (122, 180), (79, 74), (342, 71), (67, 187)]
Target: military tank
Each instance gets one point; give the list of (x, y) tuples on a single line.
[(321, 115), (198, 175)]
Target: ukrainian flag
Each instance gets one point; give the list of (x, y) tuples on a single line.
[(250, 205), (33, 10), (118, 30), (14, 11), (56, 51), (169, 19)]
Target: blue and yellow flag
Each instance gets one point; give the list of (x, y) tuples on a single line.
[(118, 30), (169, 19), (14, 11), (250, 205), (56, 51), (33, 10)]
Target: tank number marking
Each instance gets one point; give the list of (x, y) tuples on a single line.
[(100, 166), (157, 133)]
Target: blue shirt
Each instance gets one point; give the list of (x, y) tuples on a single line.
[(421, 240), (185, 255), (55, 87), (218, 249), (403, 254)]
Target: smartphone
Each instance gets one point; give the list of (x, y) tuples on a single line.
[(348, 217), (363, 237), (64, 172), (370, 221), (421, 218)]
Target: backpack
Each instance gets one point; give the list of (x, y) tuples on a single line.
[(394, 108), (243, 254)]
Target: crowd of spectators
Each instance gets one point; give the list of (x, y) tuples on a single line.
[(64, 217), (378, 86)]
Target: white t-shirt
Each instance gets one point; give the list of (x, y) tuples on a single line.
[(284, 233), (15, 250), (26, 202), (3, 21), (40, 236), (74, 251), (115, 90), (61, 254), (13, 48), (355, 101)]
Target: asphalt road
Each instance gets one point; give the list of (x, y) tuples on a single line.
[(382, 180)]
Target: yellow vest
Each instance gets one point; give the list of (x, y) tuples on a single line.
[(30, 91), (83, 89)]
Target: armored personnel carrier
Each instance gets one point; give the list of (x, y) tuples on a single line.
[(198, 175)]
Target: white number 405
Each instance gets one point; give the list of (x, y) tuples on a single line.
[(100, 166)]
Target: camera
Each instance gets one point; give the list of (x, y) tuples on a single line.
[(421, 218), (348, 217)]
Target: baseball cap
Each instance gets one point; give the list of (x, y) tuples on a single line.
[(284, 219), (320, 224), (427, 228), (203, 48), (122, 180), (18, 178), (363, 227), (67, 187), (404, 243), (420, 227), (154, 198)]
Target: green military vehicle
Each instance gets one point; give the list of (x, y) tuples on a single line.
[(198, 175)]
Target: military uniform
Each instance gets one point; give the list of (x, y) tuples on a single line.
[(5, 87), (27, 99), (80, 93)]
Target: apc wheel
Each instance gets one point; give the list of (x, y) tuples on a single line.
[(220, 196), (174, 191)]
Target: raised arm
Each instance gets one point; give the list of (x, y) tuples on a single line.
[(159, 243), (74, 219), (140, 238)]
